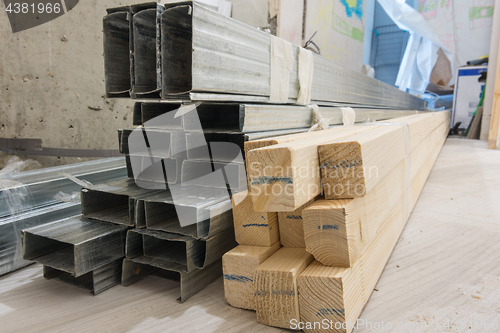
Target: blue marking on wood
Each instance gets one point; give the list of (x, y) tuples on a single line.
[(256, 225), (238, 278), (270, 180), (345, 164), (329, 227), (327, 311)]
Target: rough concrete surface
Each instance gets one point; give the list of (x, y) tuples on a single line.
[(50, 78)]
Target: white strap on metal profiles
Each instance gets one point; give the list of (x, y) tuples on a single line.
[(281, 66), (348, 116), (320, 123), (306, 69)]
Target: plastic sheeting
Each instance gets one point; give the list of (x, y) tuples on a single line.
[(12, 192), (15, 196), (421, 52)]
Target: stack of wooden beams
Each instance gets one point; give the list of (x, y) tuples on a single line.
[(322, 215)]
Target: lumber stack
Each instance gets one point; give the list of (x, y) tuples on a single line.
[(342, 197), (284, 176)]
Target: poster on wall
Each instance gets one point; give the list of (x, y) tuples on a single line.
[(338, 27), (464, 26)]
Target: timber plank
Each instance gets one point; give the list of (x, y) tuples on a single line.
[(276, 293), (251, 227), (239, 267)]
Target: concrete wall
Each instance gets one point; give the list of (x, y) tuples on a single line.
[(49, 77), (52, 75)]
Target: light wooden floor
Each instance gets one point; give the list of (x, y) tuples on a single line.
[(445, 268)]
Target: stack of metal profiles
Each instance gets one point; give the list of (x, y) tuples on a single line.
[(27, 199), (157, 241), (185, 52)]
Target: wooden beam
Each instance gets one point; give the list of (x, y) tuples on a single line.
[(276, 167), (420, 177), (285, 176), (339, 294), (352, 167), (434, 141), (292, 227), (256, 144), (489, 89), (337, 231), (251, 227), (276, 293), (239, 267)]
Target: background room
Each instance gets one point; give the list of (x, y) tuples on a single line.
[(249, 165)]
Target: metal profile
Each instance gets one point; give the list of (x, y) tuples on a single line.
[(35, 189), (196, 151), (145, 55), (162, 142), (193, 172), (135, 269), (134, 33), (113, 202), (221, 218), (204, 52), (11, 248), (194, 203), (75, 245), (187, 252), (96, 281), (153, 168), (39, 175), (143, 112), (249, 118), (116, 38), (214, 138)]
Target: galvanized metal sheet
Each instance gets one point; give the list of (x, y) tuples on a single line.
[(11, 248), (205, 52), (96, 281), (187, 252), (193, 202), (116, 31), (75, 245), (221, 218), (114, 201), (134, 269)]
